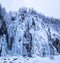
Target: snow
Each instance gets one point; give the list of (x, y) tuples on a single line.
[(34, 59)]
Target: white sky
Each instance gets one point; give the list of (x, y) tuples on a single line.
[(47, 7)]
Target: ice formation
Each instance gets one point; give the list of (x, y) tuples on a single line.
[(26, 33)]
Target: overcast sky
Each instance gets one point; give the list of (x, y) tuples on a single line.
[(47, 7)]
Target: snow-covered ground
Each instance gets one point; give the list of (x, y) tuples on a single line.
[(35, 59)]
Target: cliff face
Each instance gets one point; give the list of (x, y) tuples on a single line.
[(26, 33)]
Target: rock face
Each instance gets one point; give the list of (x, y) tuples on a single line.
[(25, 33)]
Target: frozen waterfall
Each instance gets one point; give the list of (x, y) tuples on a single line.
[(27, 35)]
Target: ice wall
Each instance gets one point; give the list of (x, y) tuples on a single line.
[(27, 35)]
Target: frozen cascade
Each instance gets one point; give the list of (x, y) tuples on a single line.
[(27, 35), (3, 45)]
